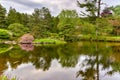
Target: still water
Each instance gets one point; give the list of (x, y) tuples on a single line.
[(71, 61)]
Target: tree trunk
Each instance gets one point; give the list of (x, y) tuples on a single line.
[(98, 12)]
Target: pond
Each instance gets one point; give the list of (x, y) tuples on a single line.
[(71, 61)]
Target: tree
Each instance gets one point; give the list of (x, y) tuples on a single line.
[(116, 10), (18, 29), (25, 18), (92, 7), (46, 19), (105, 28), (67, 22), (42, 22), (67, 17), (2, 17), (13, 16), (55, 24)]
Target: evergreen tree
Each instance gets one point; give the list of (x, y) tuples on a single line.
[(2, 17), (41, 22), (55, 24), (25, 19), (13, 17), (46, 19), (92, 8)]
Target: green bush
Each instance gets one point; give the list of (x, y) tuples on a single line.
[(18, 29), (87, 28), (4, 34)]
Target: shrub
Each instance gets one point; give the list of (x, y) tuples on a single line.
[(18, 29), (4, 34)]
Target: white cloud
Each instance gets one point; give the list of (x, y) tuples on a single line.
[(55, 6), (17, 6)]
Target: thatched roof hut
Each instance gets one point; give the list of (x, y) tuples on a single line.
[(26, 39)]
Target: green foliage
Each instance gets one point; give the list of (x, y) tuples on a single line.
[(5, 48), (18, 29), (87, 28), (4, 34), (2, 17), (67, 29), (68, 20), (55, 24), (42, 22), (116, 10), (104, 27), (68, 14), (12, 16), (67, 17), (90, 6)]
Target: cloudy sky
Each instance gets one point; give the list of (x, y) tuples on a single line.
[(55, 6)]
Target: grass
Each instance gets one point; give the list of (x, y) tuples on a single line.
[(48, 41), (101, 38)]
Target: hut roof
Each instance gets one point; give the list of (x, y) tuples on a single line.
[(27, 36)]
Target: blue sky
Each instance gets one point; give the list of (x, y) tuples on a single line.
[(55, 6)]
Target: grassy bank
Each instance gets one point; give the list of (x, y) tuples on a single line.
[(100, 38), (48, 41)]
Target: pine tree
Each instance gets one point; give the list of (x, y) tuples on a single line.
[(42, 22), (14, 17), (11, 17), (92, 8)]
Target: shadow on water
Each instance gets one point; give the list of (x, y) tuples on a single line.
[(88, 60)]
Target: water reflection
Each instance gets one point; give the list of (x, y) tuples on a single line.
[(82, 61), (27, 47)]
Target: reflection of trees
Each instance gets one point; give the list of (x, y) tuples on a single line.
[(4, 48), (3, 65), (67, 55), (115, 59), (42, 56), (3, 60), (96, 55)]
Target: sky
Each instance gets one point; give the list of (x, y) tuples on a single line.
[(55, 6)]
